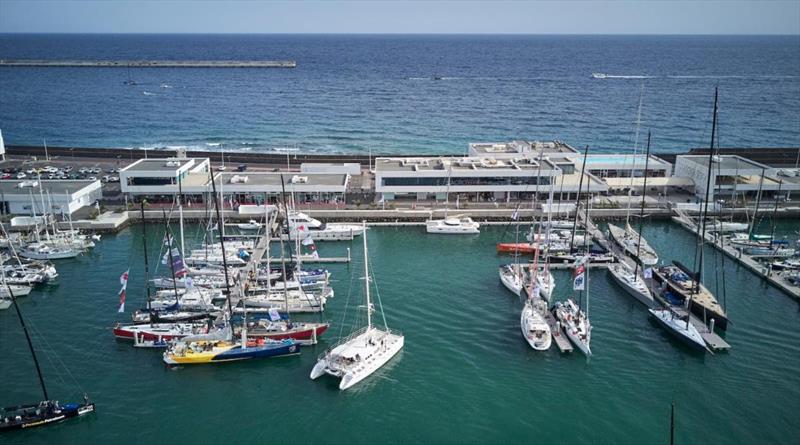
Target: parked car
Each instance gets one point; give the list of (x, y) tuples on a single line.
[(6, 176), (113, 179), (21, 175), (92, 178)]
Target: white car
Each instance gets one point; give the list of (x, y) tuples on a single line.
[(21, 175), (92, 178)]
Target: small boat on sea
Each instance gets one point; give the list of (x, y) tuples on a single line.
[(364, 351), (219, 346), (158, 331), (302, 226)]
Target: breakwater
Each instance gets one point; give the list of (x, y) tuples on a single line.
[(149, 63)]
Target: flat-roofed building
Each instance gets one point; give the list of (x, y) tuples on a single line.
[(474, 178), (521, 149), (59, 197), (163, 176), (733, 176), (624, 165), (253, 187)]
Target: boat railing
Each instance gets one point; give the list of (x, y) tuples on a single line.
[(342, 341)]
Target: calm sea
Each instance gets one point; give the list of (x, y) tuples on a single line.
[(352, 94), (465, 375)]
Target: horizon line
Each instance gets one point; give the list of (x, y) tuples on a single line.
[(399, 34)]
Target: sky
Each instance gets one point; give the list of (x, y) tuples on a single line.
[(408, 17)]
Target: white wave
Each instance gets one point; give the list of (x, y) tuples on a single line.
[(147, 93), (614, 76), (165, 85), (285, 149), (213, 144)]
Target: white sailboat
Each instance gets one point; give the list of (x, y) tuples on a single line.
[(630, 280), (249, 225), (453, 225), (364, 351), (678, 326), (534, 326), (576, 325)]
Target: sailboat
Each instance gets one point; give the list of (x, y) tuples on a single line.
[(364, 351), (452, 225), (45, 412), (630, 240), (220, 346), (573, 320), (531, 320), (625, 275), (681, 290)]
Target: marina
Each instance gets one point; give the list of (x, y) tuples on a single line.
[(390, 238)]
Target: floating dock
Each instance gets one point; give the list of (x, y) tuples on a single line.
[(148, 63), (747, 261), (561, 340)]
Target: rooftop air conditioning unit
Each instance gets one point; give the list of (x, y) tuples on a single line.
[(25, 184), (716, 158), (299, 179), (173, 164), (237, 179)]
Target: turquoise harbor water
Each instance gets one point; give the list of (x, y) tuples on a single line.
[(465, 375)]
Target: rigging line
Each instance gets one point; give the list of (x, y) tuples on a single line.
[(380, 303), (720, 240), (49, 350), (346, 304)]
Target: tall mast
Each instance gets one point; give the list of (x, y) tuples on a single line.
[(180, 213), (27, 337), (633, 162), (366, 279), (221, 238), (641, 212), (146, 265), (171, 259), (775, 213), (578, 199), (702, 232), (758, 203), (447, 192), (586, 243)]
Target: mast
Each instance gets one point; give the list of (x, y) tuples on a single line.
[(27, 337), (702, 232), (775, 213), (586, 243), (447, 192), (171, 259), (146, 264), (578, 199), (758, 203), (221, 238), (180, 213), (366, 279), (633, 162), (641, 211)]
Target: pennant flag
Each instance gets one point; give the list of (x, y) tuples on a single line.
[(167, 240), (578, 283), (515, 216), (123, 280), (274, 315), (648, 273)]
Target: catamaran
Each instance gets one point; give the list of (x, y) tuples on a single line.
[(452, 225), (364, 351)]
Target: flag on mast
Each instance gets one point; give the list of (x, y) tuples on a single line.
[(579, 277), (123, 280)]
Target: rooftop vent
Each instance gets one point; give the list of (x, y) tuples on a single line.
[(173, 163), (237, 179), (25, 184), (299, 179)]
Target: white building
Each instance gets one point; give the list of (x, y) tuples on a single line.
[(60, 197), (253, 187), (163, 176), (521, 149), (475, 178), (733, 175), (2, 148)]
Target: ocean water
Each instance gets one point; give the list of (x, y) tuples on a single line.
[(464, 376), (353, 94)]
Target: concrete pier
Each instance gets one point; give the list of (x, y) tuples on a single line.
[(148, 63)]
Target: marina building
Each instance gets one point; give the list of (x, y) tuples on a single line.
[(734, 176), (476, 178), (254, 187), (163, 176), (521, 149), (35, 197)]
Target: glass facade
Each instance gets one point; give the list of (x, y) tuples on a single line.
[(477, 181)]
